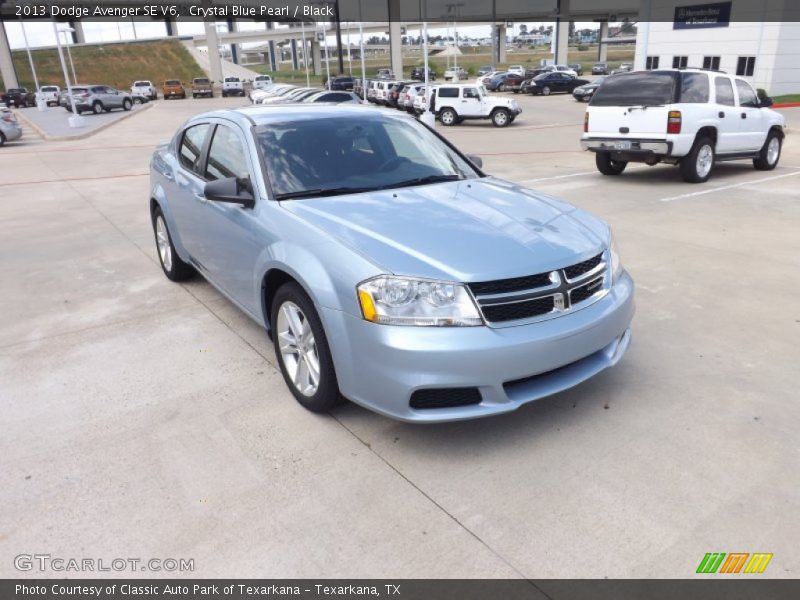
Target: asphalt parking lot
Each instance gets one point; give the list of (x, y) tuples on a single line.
[(143, 418)]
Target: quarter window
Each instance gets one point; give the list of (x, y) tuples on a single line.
[(448, 92), (724, 91), (192, 146), (746, 65), (747, 97), (679, 62), (226, 155), (694, 88)]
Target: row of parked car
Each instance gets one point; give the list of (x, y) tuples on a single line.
[(288, 93)]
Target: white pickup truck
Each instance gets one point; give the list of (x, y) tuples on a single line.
[(686, 117), (232, 86), (49, 94), (144, 89), (453, 103)]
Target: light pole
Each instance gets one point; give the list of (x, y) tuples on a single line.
[(305, 54), (39, 103), (75, 120), (327, 58), (69, 53)]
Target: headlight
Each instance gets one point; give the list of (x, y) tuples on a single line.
[(616, 263), (427, 303)]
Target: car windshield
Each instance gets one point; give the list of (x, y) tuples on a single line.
[(172, 82), (636, 89), (49, 89), (312, 156), (231, 80), (141, 84), (201, 81)]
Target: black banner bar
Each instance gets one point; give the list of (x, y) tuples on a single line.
[(746, 587)]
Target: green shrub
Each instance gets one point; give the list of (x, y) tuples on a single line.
[(582, 48)]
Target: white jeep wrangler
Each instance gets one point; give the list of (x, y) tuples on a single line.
[(453, 103), (686, 117)]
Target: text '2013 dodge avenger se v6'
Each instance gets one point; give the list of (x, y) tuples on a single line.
[(386, 266)]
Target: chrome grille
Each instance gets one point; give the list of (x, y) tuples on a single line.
[(543, 295)]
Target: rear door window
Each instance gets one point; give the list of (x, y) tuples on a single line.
[(694, 88), (652, 88), (191, 147), (724, 91)]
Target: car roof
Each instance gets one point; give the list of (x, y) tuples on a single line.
[(264, 115)]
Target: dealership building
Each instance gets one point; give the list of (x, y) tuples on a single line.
[(730, 36)]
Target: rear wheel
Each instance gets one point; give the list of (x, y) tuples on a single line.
[(501, 117), (97, 108), (696, 166), (770, 154), (448, 117), (607, 166), (301, 348), (546, 90), (2, 138)]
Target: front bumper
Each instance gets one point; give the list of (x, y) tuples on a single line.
[(380, 366)]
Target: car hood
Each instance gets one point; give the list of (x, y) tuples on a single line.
[(474, 230)]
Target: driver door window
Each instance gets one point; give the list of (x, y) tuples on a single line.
[(226, 156)]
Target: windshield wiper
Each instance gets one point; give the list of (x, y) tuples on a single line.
[(322, 192), (422, 181)]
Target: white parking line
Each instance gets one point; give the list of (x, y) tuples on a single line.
[(728, 187)]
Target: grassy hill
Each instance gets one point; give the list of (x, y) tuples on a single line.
[(117, 65)]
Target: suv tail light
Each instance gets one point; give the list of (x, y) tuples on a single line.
[(586, 122), (674, 121)]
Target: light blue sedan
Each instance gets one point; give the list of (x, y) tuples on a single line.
[(386, 266)]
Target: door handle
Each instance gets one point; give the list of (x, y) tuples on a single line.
[(744, 115), (168, 176), (721, 115)]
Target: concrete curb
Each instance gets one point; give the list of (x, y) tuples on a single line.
[(81, 136)]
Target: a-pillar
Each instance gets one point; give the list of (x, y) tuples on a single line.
[(316, 57), (395, 39), (561, 45), (602, 48), (6, 64), (501, 41), (214, 60)]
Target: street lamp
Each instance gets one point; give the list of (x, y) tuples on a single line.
[(75, 120), (66, 29), (40, 104)]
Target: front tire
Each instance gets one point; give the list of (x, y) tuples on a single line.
[(501, 117), (696, 166), (770, 153), (546, 90), (607, 166), (448, 117), (172, 265), (301, 349)]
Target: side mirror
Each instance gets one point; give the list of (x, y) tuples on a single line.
[(475, 160), (766, 102), (233, 190)]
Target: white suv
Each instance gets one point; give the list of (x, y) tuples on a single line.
[(688, 117), (456, 102)]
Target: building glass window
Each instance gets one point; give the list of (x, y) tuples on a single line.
[(711, 62), (679, 62), (746, 66), (651, 63)]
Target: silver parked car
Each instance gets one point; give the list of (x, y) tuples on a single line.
[(386, 266), (10, 128), (96, 98)]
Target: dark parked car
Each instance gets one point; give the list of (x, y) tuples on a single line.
[(600, 69), (333, 97), (584, 93), (506, 82), (577, 68), (18, 97), (418, 74), (342, 82), (393, 94), (550, 83)]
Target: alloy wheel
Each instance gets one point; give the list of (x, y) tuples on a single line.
[(298, 348), (705, 159), (164, 247), (773, 150)]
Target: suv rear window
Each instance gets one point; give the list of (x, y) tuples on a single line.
[(231, 80), (652, 89)]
